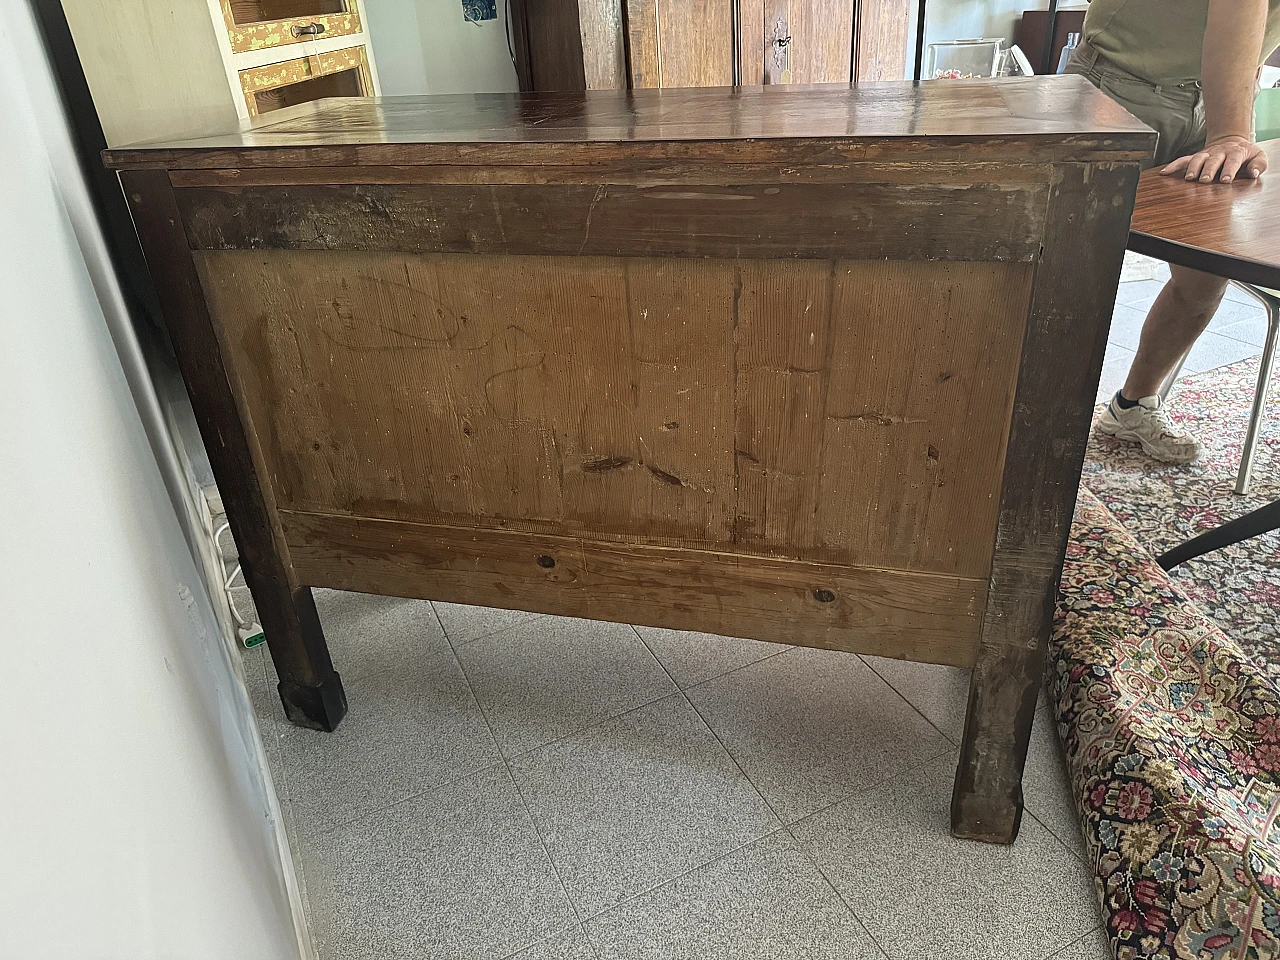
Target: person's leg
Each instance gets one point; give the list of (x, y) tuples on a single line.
[(1181, 312), (1176, 319)]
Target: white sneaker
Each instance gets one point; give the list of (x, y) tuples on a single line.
[(1148, 423)]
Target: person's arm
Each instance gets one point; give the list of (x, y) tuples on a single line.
[(1232, 48)]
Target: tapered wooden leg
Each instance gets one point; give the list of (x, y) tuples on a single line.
[(987, 801), (1076, 282), (309, 686)]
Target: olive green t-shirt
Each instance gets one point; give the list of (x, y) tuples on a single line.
[(1159, 40)]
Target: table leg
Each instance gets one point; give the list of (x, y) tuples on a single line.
[(1260, 521), (1053, 405), (310, 688), (1272, 304)]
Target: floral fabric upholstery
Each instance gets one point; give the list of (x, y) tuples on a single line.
[(1172, 739)]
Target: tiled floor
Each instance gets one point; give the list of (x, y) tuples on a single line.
[(510, 785), (1236, 332)]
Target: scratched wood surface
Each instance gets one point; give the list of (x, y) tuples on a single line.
[(910, 615), (846, 411), (1021, 120), (933, 221)]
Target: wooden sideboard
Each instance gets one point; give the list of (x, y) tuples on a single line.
[(813, 365)]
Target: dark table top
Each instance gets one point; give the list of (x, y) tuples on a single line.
[(1231, 229), (1020, 120)]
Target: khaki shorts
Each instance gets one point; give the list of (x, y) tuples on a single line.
[(1175, 112)]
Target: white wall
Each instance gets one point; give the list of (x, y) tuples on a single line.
[(970, 19), (135, 820), (425, 46)]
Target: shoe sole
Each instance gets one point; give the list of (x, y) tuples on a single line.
[(1114, 429)]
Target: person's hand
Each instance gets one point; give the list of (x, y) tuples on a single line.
[(1222, 159)]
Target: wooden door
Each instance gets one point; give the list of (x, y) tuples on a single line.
[(694, 43), (681, 43), (797, 41)]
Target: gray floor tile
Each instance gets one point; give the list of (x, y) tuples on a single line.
[(407, 730), (692, 657), (458, 873), (763, 902), (1233, 312), (924, 894), (1115, 368), (1213, 350), (632, 803), (368, 634), (1252, 331), (1138, 291), (942, 693), (572, 944), (1094, 945), (939, 692), (1046, 786), (464, 624), (1239, 296), (1126, 326), (552, 676), (810, 726)]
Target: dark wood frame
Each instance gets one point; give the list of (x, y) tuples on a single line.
[(1089, 202)]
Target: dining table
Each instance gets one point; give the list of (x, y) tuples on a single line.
[(1231, 230)]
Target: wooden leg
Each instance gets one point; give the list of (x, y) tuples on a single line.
[(309, 686), (1078, 273), (987, 801)]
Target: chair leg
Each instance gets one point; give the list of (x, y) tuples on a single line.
[(1171, 379), (1272, 304)]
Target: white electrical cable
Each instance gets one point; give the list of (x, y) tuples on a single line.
[(242, 623)]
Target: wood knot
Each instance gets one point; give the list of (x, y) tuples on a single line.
[(546, 562), (823, 595)]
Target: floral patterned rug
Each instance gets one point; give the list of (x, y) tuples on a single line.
[(1162, 506), (1172, 740), (1169, 709)]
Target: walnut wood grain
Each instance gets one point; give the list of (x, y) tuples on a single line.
[(858, 609), (1230, 229), (752, 221), (1018, 121)]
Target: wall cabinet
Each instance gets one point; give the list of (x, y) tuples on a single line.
[(616, 44)]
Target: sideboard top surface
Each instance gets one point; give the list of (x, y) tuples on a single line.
[(1010, 120)]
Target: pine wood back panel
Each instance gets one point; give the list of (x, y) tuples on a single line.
[(845, 411)]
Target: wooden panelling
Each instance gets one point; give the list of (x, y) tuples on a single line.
[(604, 51), (808, 220), (847, 411), (821, 41), (881, 34), (873, 399), (907, 615), (680, 43)]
